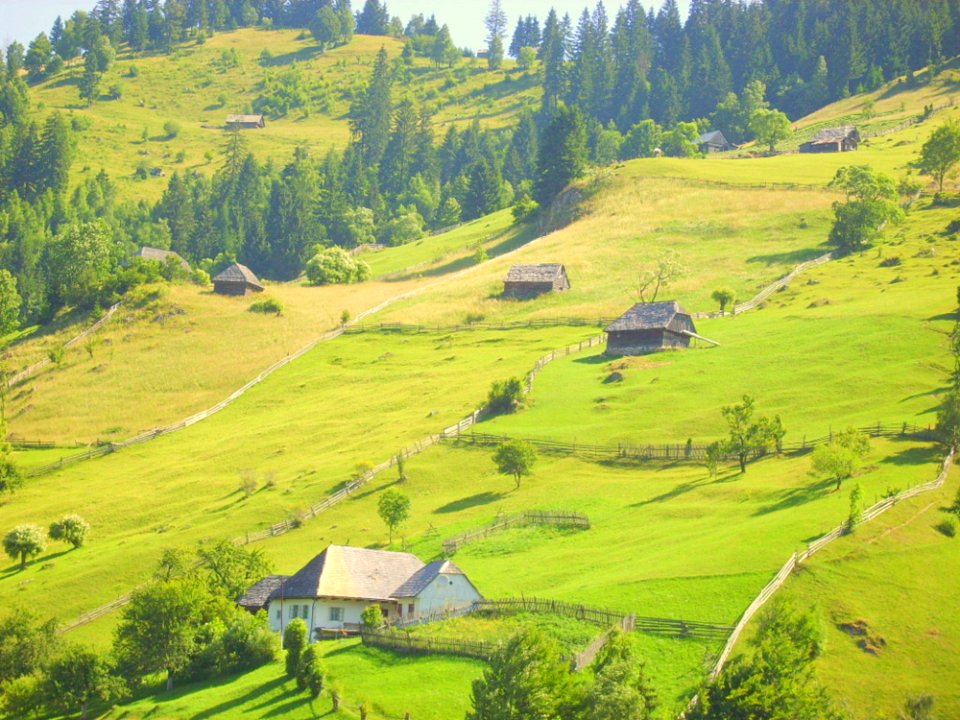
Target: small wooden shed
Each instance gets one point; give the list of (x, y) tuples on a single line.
[(714, 141), (838, 139), (236, 280), (648, 327), (246, 122), (161, 256), (524, 281)]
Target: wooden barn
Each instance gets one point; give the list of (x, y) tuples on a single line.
[(714, 141), (236, 280), (838, 139), (648, 327), (524, 281), (246, 122), (162, 256)]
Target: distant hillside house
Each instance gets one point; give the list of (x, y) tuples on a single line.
[(648, 327), (246, 122), (838, 139), (714, 141), (236, 280), (161, 256), (332, 590), (532, 280)]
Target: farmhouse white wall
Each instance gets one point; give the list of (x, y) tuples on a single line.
[(446, 592), (318, 615)]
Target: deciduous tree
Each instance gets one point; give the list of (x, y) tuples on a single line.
[(516, 458), (840, 458), (770, 127), (394, 509), (72, 529), (24, 542), (78, 676), (748, 435), (941, 152), (871, 203)]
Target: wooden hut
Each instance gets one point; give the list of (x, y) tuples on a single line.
[(162, 256), (648, 327), (236, 280), (532, 280), (246, 122), (838, 139), (714, 141)]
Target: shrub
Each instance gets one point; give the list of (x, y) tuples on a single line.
[(265, 307), (504, 396), (334, 266), (310, 672), (294, 640), (948, 527), (171, 129), (891, 262), (372, 617), (72, 529)]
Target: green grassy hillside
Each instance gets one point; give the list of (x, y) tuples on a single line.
[(197, 86), (850, 343)]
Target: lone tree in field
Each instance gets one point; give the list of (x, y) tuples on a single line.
[(294, 641), (749, 435), (394, 509), (72, 529), (658, 275), (770, 127), (23, 542), (941, 152), (840, 458), (871, 203), (515, 457), (724, 297)]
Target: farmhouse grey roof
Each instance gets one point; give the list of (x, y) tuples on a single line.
[(238, 273), (647, 316), (424, 576), (150, 253), (231, 119), (541, 273), (713, 137), (349, 572), (831, 135), (259, 594)]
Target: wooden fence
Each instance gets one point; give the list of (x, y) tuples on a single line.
[(676, 452), (797, 558), (416, 329), (770, 289), (530, 517), (40, 364), (422, 645)]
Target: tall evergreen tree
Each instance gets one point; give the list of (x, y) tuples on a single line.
[(370, 113), (563, 154)]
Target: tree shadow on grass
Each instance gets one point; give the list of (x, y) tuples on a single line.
[(943, 316), (598, 359), (798, 496), (301, 55), (683, 489), (484, 498), (792, 257), (223, 707), (915, 455)]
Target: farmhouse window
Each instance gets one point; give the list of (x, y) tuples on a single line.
[(336, 614), (410, 609), (279, 614)]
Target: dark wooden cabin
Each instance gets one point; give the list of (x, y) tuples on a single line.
[(524, 281), (714, 141), (236, 280), (838, 139), (161, 256), (246, 122), (648, 327)]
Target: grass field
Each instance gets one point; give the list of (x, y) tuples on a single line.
[(197, 86), (849, 343)]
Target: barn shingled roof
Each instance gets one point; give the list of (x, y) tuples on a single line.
[(836, 134), (259, 594), (544, 272), (231, 119), (349, 572), (238, 273), (647, 316), (151, 253), (712, 137)]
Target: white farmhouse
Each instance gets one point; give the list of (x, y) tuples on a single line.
[(332, 590)]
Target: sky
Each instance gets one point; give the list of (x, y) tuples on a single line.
[(23, 20)]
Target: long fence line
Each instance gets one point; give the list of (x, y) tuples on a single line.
[(528, 517), (416, 329), (40, 364), (797, 559), (675, 452)]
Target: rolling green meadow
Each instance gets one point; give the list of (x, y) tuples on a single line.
[(849, 343)]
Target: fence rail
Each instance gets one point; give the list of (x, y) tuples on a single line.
[(797, 558), (530, 517), (418, 644), (416, 329), (40, 364)]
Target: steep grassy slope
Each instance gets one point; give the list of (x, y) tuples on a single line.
[(198, 85)]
